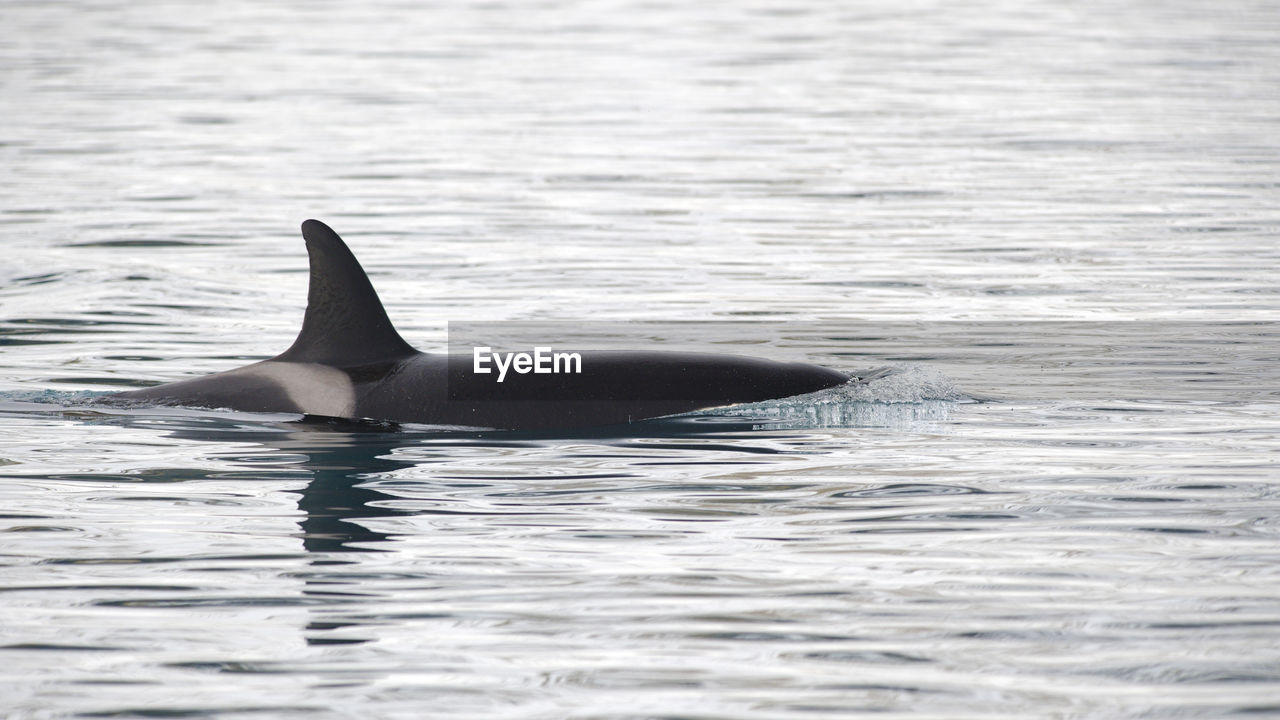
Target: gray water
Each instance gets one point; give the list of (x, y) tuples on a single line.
[(1053, 223)]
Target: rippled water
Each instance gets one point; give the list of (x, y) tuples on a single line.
[(1053, 223)]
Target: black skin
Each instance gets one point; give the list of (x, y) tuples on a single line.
[(613, 388)]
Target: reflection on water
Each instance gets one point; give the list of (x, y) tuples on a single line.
[(856, 567)]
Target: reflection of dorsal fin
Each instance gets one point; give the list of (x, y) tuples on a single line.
[(345, 324)]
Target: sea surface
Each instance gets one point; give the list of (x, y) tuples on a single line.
[(1048, 229)]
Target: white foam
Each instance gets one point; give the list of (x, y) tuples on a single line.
[(900, 397), (907, 384)]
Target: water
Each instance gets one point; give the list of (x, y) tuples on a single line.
[(1054, 223)]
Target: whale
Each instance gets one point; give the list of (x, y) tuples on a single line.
[(349, 362)]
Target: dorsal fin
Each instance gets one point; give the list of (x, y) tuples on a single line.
[(345, 324)]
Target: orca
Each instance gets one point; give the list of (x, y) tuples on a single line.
[(349, 362)]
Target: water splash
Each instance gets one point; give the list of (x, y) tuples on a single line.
[(906, 384), (59, 398), (908, 397)]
